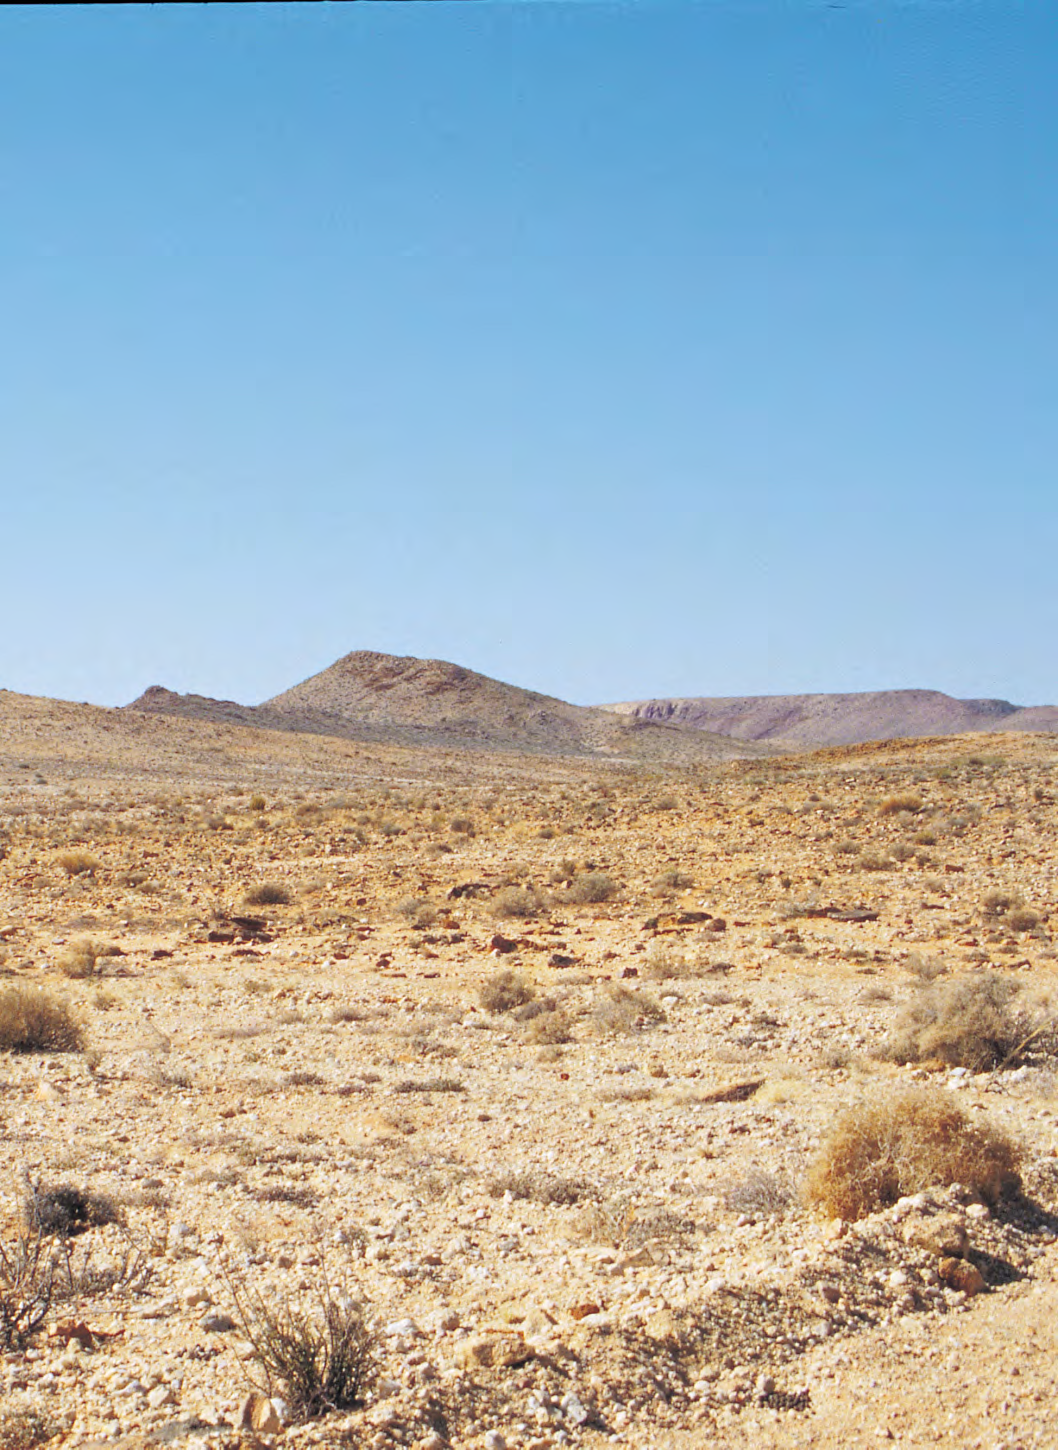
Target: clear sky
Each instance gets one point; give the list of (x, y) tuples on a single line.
[(611, 349)]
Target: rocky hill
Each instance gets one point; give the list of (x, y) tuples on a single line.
[(800, 722), (403, 700)]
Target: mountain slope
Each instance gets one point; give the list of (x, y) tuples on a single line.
[(405, 700), (800, 722)]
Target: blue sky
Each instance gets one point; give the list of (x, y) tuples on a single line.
[(613, 350)]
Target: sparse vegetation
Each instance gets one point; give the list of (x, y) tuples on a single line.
[(81, 958), (901, 804), (316, 1352), (267, 893), (79, 863), (672, 880), (418, 911), (592, 888), (27, 1285), (549, 1188), (32, 1021), (64, 1210), (976, 1021), (517, 902), (504, 991), (620, 1010), (759, 1192), (892, 1146)]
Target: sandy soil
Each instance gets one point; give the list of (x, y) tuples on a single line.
[(576, 1221)]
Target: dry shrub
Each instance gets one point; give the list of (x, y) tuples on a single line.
[(1022, 919), (514, 901), (996, 902), (621, 1010), (927, 969), (25, 1427), (31, 1021), (318, 1355), (874, 861), (65, 1210), (79, 863), (549, 1028), (81, 958), (267, 893), (897, 804), (27, 1286), (593, 887), (972, 1021), (757, 1191), (418, 911), (548, 1188), (504, 991), (258, 803), (919, 1138), (671, 880)]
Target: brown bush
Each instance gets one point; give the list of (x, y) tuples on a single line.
[(917, 1139), (972, 1021), (504, 991), (593, 887), (31, 1021), (996, 902), (78, 863), (896, 804), (548, 1028), (81, 958), (621, 1010), (1022, 919), (671, 880), (267, 893), (513, 901), (418, 911)]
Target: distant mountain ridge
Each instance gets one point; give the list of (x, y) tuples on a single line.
[(405, 700), (400, 699), (801, 722)]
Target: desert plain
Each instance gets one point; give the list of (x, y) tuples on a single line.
[(532, 1066)]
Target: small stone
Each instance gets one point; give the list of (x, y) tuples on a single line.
[(494, 1440), (494, 1351), (196, 1296), (959, 1275), (219, 1323), (159, 1396), (765, 1385), (944, 1235), (403, 1329), (574, 1409)]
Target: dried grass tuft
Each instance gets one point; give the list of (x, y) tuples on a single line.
[(31, 1021), (920, 1138)]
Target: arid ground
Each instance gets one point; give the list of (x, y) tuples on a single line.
[(533, 1071)]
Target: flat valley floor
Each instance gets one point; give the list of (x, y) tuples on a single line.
[(531, 1058)]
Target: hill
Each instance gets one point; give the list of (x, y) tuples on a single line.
[(802, 722), (402, 700)]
